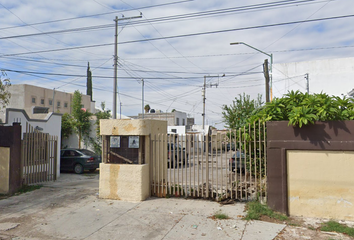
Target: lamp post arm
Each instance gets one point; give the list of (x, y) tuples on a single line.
[(269, 55)]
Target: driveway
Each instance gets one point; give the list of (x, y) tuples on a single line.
[(70, 209)]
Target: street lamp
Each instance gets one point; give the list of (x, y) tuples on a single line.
[(270, 68)]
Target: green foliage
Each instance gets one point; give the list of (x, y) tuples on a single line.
[(81, 117), (241, 109), (147, 108), (4, 90), (28, 188), (255, 210), (89, 81), (332, 226), (66, 125), (104, 114), (220, 215), (303, 109)]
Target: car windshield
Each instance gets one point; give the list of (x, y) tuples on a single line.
[(172, 146), (87, 152)]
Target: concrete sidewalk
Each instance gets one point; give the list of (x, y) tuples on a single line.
[(71, 209)]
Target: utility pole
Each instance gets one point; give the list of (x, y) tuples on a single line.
[(115, 81), (53, 100), (307, 83), (266, 76), (115, 59), (270, 66), (204, 93), (120, 110), (142, 97)]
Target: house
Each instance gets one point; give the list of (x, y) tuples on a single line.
[(175, 118), (37, 102), (47, 123)]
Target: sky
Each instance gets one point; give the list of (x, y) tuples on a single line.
[(171, 47)]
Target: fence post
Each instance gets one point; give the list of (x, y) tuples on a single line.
[(206, 142)]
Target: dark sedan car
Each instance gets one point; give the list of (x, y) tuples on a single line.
[(239, 157), (78, 160), (172, 155)]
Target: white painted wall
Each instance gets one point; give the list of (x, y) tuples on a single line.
[(180, 130), (332, 76), (50, 124), (73, 140), (181, 116)]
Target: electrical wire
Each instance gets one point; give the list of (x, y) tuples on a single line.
[(186, 35), (96, 15)]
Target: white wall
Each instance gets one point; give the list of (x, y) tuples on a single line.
[(180, 130), (332, 76), (50, 124), (73, 140), (181, 116)]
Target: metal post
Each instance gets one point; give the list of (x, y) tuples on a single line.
[(203, 95), (120, 110), (307, 83), (114, 110), (115, 80), (53, 100), (142, 97), (270, 67), (271, 76)]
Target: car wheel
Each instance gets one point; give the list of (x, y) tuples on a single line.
[(78, 168)]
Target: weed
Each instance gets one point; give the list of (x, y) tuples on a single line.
[(221, 215), (28, 188), (255, 210), (333, 226)]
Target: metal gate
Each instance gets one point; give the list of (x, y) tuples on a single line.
[(226, 165), (39, 156)]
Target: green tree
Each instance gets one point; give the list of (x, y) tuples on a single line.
[(4, 90), (89, 81), (81, 117), (147, 108), (104, 114), (242, 108), (66, 125)]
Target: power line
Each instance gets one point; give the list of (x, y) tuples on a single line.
[(153, 20), (95, 15), (186, 35)]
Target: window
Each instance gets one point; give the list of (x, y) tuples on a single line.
[(58, 104), (65, 104), (42, 101), (38, 109), (183, 122), (177, 121), (50, 102), (33, 99)]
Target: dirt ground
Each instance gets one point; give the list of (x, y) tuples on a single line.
[(306, 228)]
